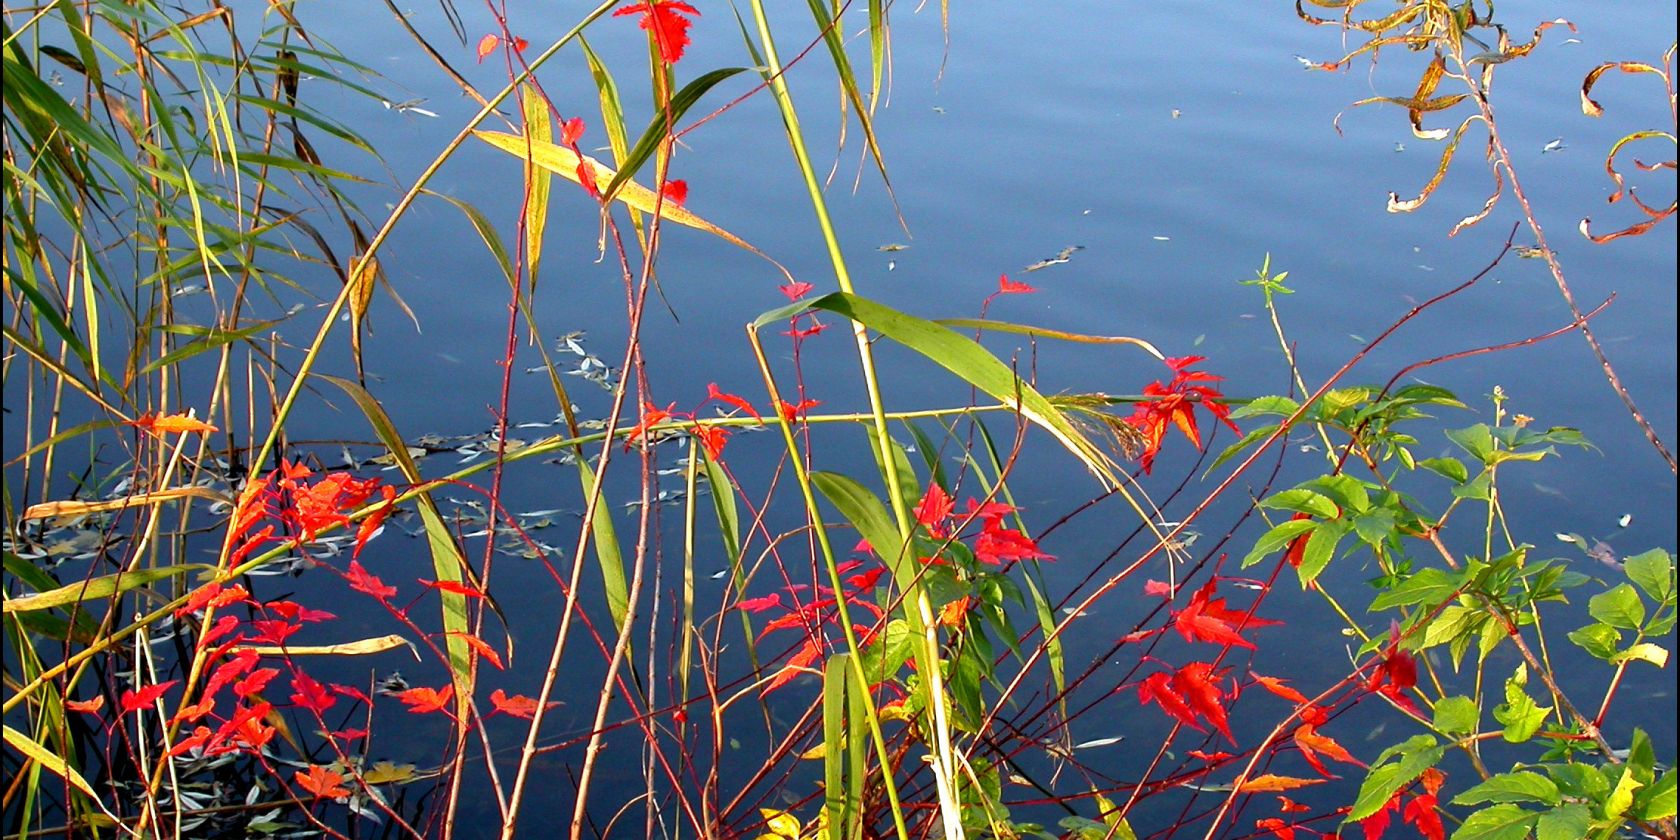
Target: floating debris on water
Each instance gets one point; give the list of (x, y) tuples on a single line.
[(1555, 146), (1062, 256), (1529, 252), (893, 246)]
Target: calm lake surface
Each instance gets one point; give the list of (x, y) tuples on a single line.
[(1178, 144)]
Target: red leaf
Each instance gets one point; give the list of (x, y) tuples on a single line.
[(758, 605), (1423, 816), (1206, 619), (675, 191), (321, 782), (998, 544), (170, 424), (310, 694), (865, 582), (424, 700), (797, 290), (935, 509), (1278, 828), (517, 705), (1276, 686), (571, 130), (273, 631), (196, 711), (713, 438), (1290, 806), (254, 682), (1209, 756), (1157, 589), (86, 707), (519, 44), (1007, 286), (713, 393), (450, 586), (1196, 683), (486, 46), (361, 581), (586, 179), (664, 22), (796, 665), (140, 698), (652, 415), (197, 739), (1158, 688), (297, 612), (793, 413), (1311, 742), (371, 524), (481, 647), (1271, 783)]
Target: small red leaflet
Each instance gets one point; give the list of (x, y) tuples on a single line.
[(321, 782), (424, 700), (486, 46), (361, 581), (571, 130), (135, 699), (675, 191)]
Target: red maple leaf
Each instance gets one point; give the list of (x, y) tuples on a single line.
[(1171, 404), (796, 290), (1158, 688), (996, 544), (135, 699), (935, 509), (450, 586), (664, 22), (714, 393), (321, 782), (517, 705), (1206, 619), (652, 415), (481, 647), (796, 665), (713, 438), (311, 694), (1278, 828), (199, 737), (423, 700), (1395, 673), (1311, 743), (1197, 682), (792, 413), (254, 682), (1276, 686), (361, 581), (758, 605), (297, 612), (86, 707)]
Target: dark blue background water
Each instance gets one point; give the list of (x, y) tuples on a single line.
[(1178, 143)]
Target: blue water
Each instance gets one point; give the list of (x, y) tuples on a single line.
[(1178, 144)]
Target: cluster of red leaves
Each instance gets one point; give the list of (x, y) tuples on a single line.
[(1170, 405), (1191, 694), (1395, 673), (1207, 619), (812, 616), (303, 508), (1420, 812), (713, 438), (995, 544), (665, 23)]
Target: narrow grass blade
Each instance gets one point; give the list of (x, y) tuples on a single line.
[(607, 554), (661, 125), (99, 588), (48, 759), (540, 130)]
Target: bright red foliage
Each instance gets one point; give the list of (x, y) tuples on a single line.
[(424, 700), (664, 22), (571, 130), (1207, 619), (517, 705), (321, 782), (1171, 404), (363, 582), (934, 510), (135, 699), (714, 393), (675, 191), (652, 415), (311, 694)]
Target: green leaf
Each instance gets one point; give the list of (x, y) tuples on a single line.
[(1457, 715), (1501, 822), (960, 355), (1476, 440), (1374, 527), (1644, 651), (1302, 500), (99, 588), (1429, 586), (1620, 607), (609, 557), (1621, 796), (1450, 468), (1259, 406), (1416, 754), (449, 561), (540, 130), (1566, 822), (1657, 801), (1518, 786), (1600, 640), (1321, 548), (1520, 714), (662, 124), (1279, 536), (1653, 571), (48, 759), (866, 513)]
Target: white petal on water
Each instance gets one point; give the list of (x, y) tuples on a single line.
[(719, 574), (1556, 145), (1098, 742), (1161, 238), (1626, 520)]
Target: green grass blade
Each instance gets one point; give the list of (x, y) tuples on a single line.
[(607, 553), (656, 131), (99, 588), (540, 130), (449, 562)]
